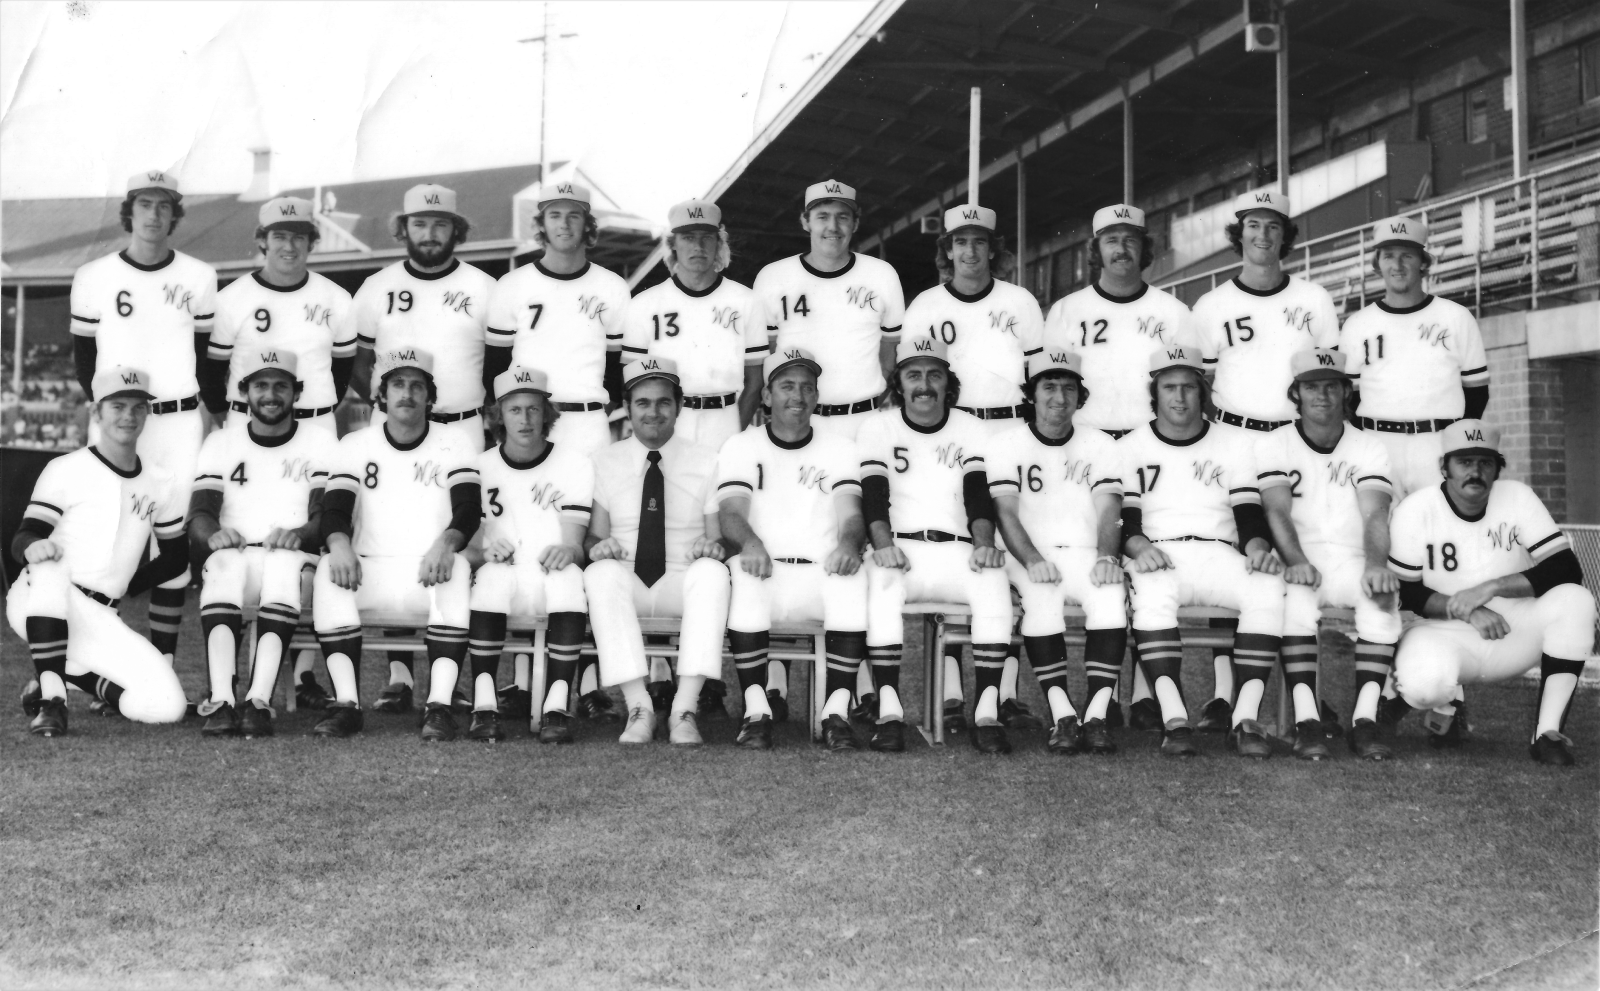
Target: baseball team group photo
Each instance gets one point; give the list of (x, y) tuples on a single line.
[(730, 598)]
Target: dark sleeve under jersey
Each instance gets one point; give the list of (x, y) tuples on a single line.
[(342, 368), (85, 352), (213, 383), (338, 514), (875, 499), (1132, 524), (613, 377), (1477, 397), (497, 360), (1560, 568), (1414, 596), (975, 495), (172, 556), (466, 508), (205, 515), (1251, 520), (31, 531)]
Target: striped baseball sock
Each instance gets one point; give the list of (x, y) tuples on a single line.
[(1299, 658), (1222, 659), (446, 647), (845, 652), (988, 666), (275, 623), (221, 622), (486, 639), (750, 664), (1161, 659), (1374, 661), (1048, 657), (47, 641), (885, 662), (166, 615), (1254, 655), (103, 689), (1010, 671), (562, 646), (1558, 680), (1102, 663), (341, 651)]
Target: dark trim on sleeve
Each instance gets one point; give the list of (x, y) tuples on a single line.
[(875, 499), (975, 496), (1560, 568), (1251, 520), (466, 508)]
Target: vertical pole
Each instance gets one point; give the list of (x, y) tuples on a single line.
[(1022, 222), (974, 133), (1533, 238), (1283, 104), (544, 85), (1519, 88), (16, 340), (1127, 147)]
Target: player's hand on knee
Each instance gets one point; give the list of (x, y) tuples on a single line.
[(891, 557), (282, 540), (344, 568), (1378, 580), (1259, 557), (1302, 574), (1467, 601), (610, 549), (41, 551), (436, 565), (1489, 624), (500, 550), (755, 561), (557, 556), (1042, 572), (1105, 572), (1149, 558), (842, 560), (987, 556), (704, 546), (225, 538)]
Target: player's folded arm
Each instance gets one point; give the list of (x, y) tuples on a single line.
[(172, 557), (1559, 567)]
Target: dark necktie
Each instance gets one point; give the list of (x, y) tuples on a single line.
[(650, 558)]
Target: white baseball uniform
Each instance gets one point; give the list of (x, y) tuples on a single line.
[(526, 503), (991, 335), (1114, 335)]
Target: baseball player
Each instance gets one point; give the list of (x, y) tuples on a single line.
[(151, 307), (1325, 488), (706, 324), (290, 309), (1417, 361), (925, 498), (536, 497), (788, 502), (1190, 504), (92, 514), (253, 526), (1499, 588), (992, 329), (656, 552), (402, 500), (1058, 495), (845, 308)]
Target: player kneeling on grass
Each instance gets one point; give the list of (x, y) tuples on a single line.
[(1325, 487), (536, 498), (1500, 589), (925, 497), (789, 501), (1190, 501), (253, 521), (90, 518), (401, 503), (1058, 492), (657, 552)]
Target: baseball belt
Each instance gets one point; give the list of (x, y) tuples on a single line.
[(992, 412), (710, 402), (845, 409), (1249, 423), (174, 405), (794, 560), (452, 417), (933, 537), (1404, 426), (299, 414), (100, 597), (578, 407), (1215, 540)]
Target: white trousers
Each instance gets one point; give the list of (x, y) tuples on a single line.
[(697, 593), (796, 593), (1437, 655), (1341, 569), (582, 430), (1105, 607), (389, 586), (938, 573), (1207, 573), (708, 427), (248, 577), (1413, 461), (525, 590)]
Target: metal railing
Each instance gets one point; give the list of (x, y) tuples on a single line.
[(1509, 245)]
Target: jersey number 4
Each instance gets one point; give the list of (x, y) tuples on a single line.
[(1447, 557), (800, 308), (238, 474)]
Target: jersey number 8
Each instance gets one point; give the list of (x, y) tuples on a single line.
[(371, 479)]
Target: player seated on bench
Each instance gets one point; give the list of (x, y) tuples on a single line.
[(1325, 488), (1058, 493), (656, 552), (789, 501), (254, 524), (87, 524), (1190, 500), (1500, 591), (536, 498), (925, 498), (401, 503)]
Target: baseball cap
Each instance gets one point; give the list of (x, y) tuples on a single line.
[(121, 381), (777, 361), (1469, 435), (287, 212), (1162, 359), (430, 198), (1318, 363), (1055, 360), (649, 367), (563, 189), (154, 179), (911, 348), (694, 215), (1118, 213), (969, 215), (258, 360), (1400, 230), (1265, 198), (394, 359), (519, 378), (830, 189)]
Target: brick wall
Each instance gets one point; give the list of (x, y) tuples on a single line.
[(1525, 403)]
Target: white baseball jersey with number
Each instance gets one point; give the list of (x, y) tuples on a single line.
[(925, 466), (103, 517), (1189, 488), (790, 487), (402, 494), (1056, 481), (1429, 541), (527, 501), (1413, 363), (1324, 483), (712, 334), (146, 316), (1115, 335), (443, 313), (562, 325), (840, 317), (314, 320), (991, 335), (1248, 336), (265, 483)]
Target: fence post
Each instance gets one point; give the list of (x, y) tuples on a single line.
[(1361, 265), (1533, 238)]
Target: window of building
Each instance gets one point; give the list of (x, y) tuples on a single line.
[(1590, 71), (1477, 116)]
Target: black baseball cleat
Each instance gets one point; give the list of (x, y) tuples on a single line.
[(596, 707), (1178, 740), (309, 695), (486, 727), (710, 706), (755, 734), (1216, 717), (1453, 734), (340, 720), (1066, 736), (459, 703), (1097, 738), (1310, 740), (779, 706), (222, 721), (51, 719), (991, 739), (660, 696), (1365, 742), (255, 720), (955, 716), (1329, 717), (1145, 715), (1248, 739), (1015, 715), (889, 737), (100, 707), (1114, 718), (394, 698), (1391, 711), (32, 698), (514, 702), (866, 710), (438, 723), (837, 734), (1552, 748), (556, 728)]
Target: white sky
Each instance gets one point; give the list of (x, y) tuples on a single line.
[(653, 99)]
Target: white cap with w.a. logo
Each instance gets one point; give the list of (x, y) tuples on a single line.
[(287, 212), (154, 179), (563, 189), (1400, 230), (520, 378), (1055, 360), (829, 189), (1265, 198), (1118, 213), (969, 215), (254, 361), (430, 198), (394, 359), (1469, 435), (694, 215), (649, 367), (1317, 363), (911, 348), (778, 360), (121, 381), (1162, 359)]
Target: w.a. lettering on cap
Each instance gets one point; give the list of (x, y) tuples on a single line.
[(1318, 363), (563, 189), (1463, 436), (286, 213), (1400, 230), (694, 215), (394, 359), (779, 360), (1055, 360), (912, 348), (1108, 217), (154, 179), (520, 378), (830, 189), (649, 367), (1162, 359), (430, 199), (1266, 198), (258, 360), (969, 215), (121, 380)]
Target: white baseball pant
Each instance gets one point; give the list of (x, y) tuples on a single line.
[(796, 593), (1413, 461), (520, 590), (249, 576), (1341, 569), (697, 593), (708, 427), (582, 430), (389, 586), (938, 573), (1105, 607), (1207, 573)]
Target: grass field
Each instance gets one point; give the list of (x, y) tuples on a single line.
[(137, 856)]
